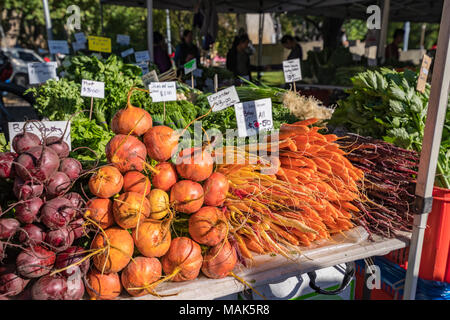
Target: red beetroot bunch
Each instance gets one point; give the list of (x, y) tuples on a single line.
[(37, 233)]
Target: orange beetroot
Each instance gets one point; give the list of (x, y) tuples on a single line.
[(126, 153), (116, 256), (131, 120), (216, 189), (165, 177), (161, 142), (106, 182), (219, 261), (135, 181), (100, 210), (105, 286), (208, 226), (141, 272), (183, 260), (152, 238), (187, 196), (195, 164), (130, 208)]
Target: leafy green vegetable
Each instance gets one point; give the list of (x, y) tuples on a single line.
[(384, 104)]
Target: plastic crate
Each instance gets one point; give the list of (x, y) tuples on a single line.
[(399, 257), (392, 283), (436, 241)]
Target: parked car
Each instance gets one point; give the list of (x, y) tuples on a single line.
[(19, 59)]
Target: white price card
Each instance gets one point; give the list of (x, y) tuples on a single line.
[(223, 99), (190, 66), (39, 72), (127, 52), (58, 46), (78, 45), (141, 56), (149, 77), (253, 116), (163, 91), (123, 39), (42, 128), (90, 88), (292, 71), (80, 37)]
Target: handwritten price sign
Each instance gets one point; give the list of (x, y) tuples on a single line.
[(58, 46), (41, 129), (123, 39), (163, 91), (292, 71), (41, 72), (141, 56), (253, 117), (223, 99), (100, 44), (127, 52), (94, 89)]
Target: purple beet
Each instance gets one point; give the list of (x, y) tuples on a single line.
[(8, 227), (75, 198), (27, 211), (25, 190), (57, 213), (49, 288), (72, 167), (25, 141), (6, 164), (31, 234), (77, 226), (58, 184), (37, 162), (60, 239), (34, 262), (10, 283), (58, 145), (69, 257)]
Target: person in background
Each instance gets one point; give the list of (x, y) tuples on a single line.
[(161, 57), (392, 50), (186, 50), (238, 59), (289, 42)]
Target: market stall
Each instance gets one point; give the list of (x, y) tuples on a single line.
[(161, 227)]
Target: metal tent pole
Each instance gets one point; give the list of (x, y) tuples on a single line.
[(407, 28), (169, 35), (101, 18), (384, 29), (260, 37), (150, 28), (48, 23), (437, 107)]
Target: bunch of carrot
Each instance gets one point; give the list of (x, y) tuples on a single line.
[(388, 185), (307, 199)]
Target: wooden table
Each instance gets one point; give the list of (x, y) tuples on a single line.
[(269, 269)]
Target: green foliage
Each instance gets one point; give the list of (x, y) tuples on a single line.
[(384, 104), (355, 29)]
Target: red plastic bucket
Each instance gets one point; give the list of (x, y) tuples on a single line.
[(436, 243)]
